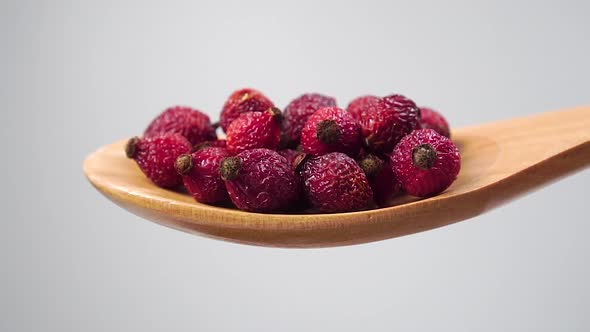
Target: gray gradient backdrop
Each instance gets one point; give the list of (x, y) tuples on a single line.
[(76, 75)]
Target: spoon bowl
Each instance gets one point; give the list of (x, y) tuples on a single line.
[(500, 161)]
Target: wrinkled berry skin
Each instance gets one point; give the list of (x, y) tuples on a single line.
[(254, 130), (343, 137), (203, 181), (386, 121), (156, 156), (359, 105), (299, 110), (243, 101), (335, 183), (190, 123), (266, 182), (437, 173), (431, 119)]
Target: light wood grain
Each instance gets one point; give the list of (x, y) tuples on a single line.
[(500, 161)]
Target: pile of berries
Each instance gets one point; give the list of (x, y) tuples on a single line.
[(313, 156)]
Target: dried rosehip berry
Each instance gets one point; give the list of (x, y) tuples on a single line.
[(190, 123), (431, 119), (359, 105), (335, 183), (255, 130), (299, 110), (331, 129), (425, 162), (243, 101), (386, 121), (155, 156), (261, 180), (200, 174)]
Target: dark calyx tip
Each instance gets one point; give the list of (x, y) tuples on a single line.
[(328, 131), (131, 147), (230, 168), (183, 164), (373, 143), (371, 165), (424, 156), (215, 125), (276, 113)]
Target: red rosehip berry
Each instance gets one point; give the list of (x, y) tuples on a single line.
[(431, 119), (359, 105), (425, 162), (260, 180), (190, 123), (155, 156), (335, 183), (299, 110), (255, 130), (243, 101), (386, 121), (331, 129), (200, 174)]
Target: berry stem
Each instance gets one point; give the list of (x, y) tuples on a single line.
[(245, 96), (372, 143), (424, 156), (276, 114), (229, 169), (371, 165), (183, 164), (131, 147), (327, 131)]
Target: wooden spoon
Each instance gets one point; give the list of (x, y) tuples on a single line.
[(500, 161)]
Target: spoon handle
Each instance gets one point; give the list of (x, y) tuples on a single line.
[(518, 155)]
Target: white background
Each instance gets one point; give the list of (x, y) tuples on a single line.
[(76, 75)]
